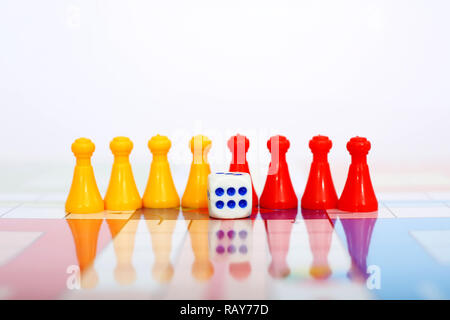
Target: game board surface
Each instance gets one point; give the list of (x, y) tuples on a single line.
[(400, 252), (352, 94)]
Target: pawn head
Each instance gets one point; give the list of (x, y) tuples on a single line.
[(121, 146), (202, 270), (199, 142), (278, 141), (163, 273), (89, 279), (358, 146), (125, 275), (159, 144), (240, 271), (200, 146), (320, 144), (320, 272), (238, 142), (279, 271), (83, 148)]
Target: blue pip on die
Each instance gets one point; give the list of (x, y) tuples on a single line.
[(229, 195)]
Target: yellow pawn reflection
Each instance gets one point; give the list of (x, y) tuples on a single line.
[(122, 193), (85, 235), (160, 191), (161, 224), (195, 194), (84, 196), (123, 233), (202, 268)]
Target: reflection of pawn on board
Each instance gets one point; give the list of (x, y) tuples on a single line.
[(85, 235), (161, 224), (320, 232), (122, 194), (84, 196), (358, 233), (123, 233), (230, 241), (202, 268), (278, 225)]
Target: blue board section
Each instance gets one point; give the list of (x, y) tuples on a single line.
[(407, 270)]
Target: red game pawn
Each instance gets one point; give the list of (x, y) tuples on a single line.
[(278, 191), (319, 192), (358, 194), (238, 146)]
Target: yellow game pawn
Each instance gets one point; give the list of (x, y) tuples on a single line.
[(122, 193), (160, 192), (195, 194), (84, 196)]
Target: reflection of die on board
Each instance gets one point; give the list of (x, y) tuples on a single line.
[(230, 243)]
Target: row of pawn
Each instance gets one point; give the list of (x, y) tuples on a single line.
[(122, 194)]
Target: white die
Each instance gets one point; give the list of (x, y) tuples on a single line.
[(229, 195)]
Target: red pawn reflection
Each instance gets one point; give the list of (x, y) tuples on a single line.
[(278, 191), (320, 232), (238, 146), (278, 225), (358, 232)]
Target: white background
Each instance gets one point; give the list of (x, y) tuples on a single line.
[(99, 69)]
